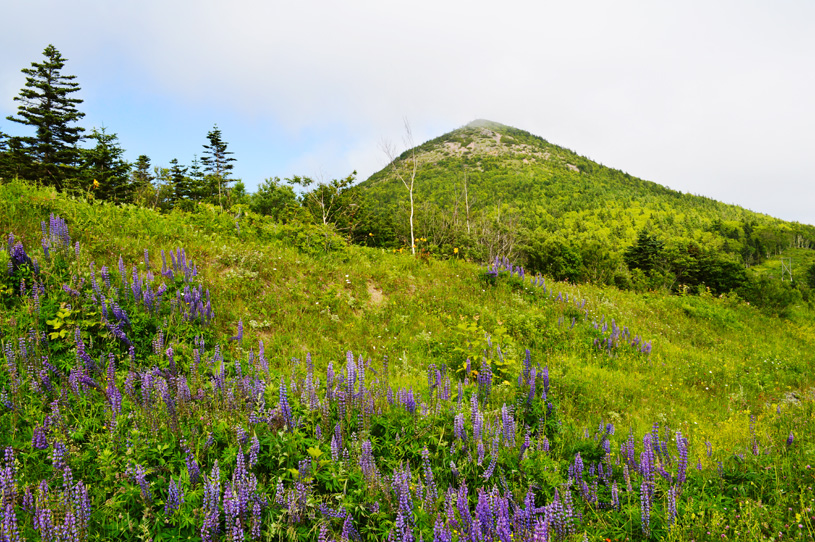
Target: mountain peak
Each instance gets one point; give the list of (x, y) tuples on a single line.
[(484, 123)]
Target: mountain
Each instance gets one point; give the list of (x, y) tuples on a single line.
[(493, 190)]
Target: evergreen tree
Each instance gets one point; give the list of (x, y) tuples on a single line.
[(141, 172), (104, 164), (11, 160), (144, 193), (217, 162), (198, 189), (47, 105), (645, 253), (180, 182)]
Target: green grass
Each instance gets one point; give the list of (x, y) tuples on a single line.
[(715, 362)]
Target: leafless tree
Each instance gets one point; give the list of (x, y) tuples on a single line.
[(405, 171)]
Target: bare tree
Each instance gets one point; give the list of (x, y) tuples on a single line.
[(405, 171), (466, 199)]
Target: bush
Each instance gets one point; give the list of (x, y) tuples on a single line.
[(774, 296)]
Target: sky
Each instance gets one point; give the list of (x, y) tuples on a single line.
[(711, 98)]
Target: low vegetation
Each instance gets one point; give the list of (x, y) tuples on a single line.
[(223, 376)]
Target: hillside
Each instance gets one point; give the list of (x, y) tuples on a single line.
[(489, 190), (273, 382)]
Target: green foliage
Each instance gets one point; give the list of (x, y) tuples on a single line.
[(552, 255), (810, 276), (274, 199), (771, 294)]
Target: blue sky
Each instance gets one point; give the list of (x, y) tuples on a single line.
[(708, 98)]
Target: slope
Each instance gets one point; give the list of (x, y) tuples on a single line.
[(715, 369)]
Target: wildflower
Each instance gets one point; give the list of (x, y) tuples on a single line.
[(175, 498), (253, 451)]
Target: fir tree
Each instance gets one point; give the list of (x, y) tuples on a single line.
[(182, 188), (104, 164), (217, 162), (141, 176), (47, 105), (198, 188), (11, 162)]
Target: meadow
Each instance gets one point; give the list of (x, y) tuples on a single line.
[(218, 375)]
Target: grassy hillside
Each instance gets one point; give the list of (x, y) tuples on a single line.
[(345, 421)]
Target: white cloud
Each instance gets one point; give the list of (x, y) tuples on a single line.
[(694, 95)]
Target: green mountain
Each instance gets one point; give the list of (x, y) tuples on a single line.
[(493, 190)]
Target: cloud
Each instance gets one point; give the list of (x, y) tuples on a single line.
[(693, 95)]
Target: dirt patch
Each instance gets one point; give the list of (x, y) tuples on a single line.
[(376, 295)]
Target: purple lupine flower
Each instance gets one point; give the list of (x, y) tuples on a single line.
[(139, 474), (647, 459), (10, 532), (243, 436), (40, 440), (672, 495), (335, 448), (541, 529), (483, 515), (478, 424), (545, 375), (532, 381), (239, 336), (58, 456), (458, 428), (645, 507), (577, 468), (508, 426), (175, 498), (615, 499), (366, 460), (253, 451), (285, 409), (256, 521), (682, 467), (490, 469), (790, 440), (8, 491), (212, 515)]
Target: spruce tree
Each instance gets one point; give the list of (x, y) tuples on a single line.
[(141, 175), (46, 104), (104, 164), (198, 188), (180, 182), (217, 161)]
